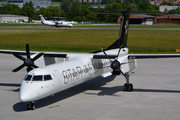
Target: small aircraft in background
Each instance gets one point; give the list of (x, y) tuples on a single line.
[(51, 72), (57, 24)]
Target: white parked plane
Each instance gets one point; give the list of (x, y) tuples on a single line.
[(56, 24), (52, 72)]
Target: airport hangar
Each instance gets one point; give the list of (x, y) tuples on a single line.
[(171, 19), (13, 18)]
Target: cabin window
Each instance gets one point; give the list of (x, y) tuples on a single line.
[(47, 77), (28, 77), (37, 78)]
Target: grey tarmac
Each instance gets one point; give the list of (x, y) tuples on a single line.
[(156, 95)]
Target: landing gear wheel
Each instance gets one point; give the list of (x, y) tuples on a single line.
[(130, 87), (28, 106), (125, 87), (33, 107)]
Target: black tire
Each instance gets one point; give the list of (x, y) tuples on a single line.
[(125, 87), (130, 88), (28, 106), (33, 107)]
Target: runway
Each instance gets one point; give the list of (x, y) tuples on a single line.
[(48, 27), (156, 95)]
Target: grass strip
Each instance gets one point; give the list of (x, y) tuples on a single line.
[(88, 40)]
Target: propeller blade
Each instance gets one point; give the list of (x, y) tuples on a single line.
[(106, 55), (37, 56), (29, 69), (119, 50), (122, 73), (35, 66), (27, 50), (18, 68), (18, 56), (125, 63)]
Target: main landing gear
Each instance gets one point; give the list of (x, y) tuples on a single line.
[(128, 86), (31, 106)]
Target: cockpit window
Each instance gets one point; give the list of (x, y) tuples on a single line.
[(47, 77), (28, 77), (37, 78)]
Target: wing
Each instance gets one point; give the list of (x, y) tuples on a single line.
[(149, 56), (46, 54)]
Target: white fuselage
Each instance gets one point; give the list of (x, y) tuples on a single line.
[(58, 24), (65, 75)]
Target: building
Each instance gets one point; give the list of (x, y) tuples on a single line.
[(7, 18), (40, 3), (139, 19), (162, 8), (172, 19), (158, 2), (98, 5)]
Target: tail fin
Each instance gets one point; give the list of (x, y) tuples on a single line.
[(123, 33), (42, 19)]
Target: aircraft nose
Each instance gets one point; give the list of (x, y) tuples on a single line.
[(26, 93)]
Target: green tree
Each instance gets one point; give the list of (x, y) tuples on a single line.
[(107, 1), (11, 9), (66, 6), (42, 11), (146, 7), (75, 4), (54, 11), (76, 11), (132, 7), (166, 3), (118, 1), (1, 10), (108, 8), (28, 10)]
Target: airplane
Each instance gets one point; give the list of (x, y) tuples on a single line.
[(56, 24), (51, 72)]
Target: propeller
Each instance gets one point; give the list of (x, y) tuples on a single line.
[(29, 62), (115, 64)]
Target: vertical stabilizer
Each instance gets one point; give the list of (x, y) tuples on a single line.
[(42, 19), (123, 33)]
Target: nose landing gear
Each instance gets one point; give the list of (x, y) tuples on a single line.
[(31, 106)]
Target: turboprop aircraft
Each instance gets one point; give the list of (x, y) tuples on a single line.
[(56, 24), (52, 72)]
